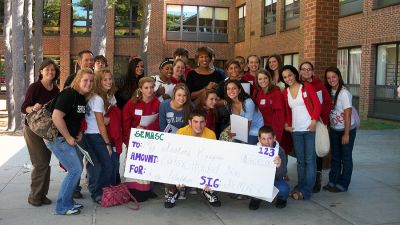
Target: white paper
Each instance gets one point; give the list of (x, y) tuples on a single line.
[(147, 120), (319, 94), (85, 154), (170, 129), (240, 126), (246, 87), (199, 162)]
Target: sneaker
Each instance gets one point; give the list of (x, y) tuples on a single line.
[(72, 212), (254, 204), (193, 191), (77, 206), (182, 193), (241, 197), (280, 203), (327, 187), (77, 195), (35, 203), (171, 199), (212, 198)]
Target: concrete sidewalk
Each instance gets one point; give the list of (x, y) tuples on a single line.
[(373, 196)]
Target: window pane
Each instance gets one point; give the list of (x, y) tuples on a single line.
[(189, 18), (173, 17), (386, 64), (383, 3), (287, 60), (81, 16), (221, 20), (292, 9), (342, 63), (355, 66), (205, 19), (295, 60), (127, 18)]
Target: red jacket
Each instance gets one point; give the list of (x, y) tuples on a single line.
[(114, 128), (132, 113), (272, 108), (326, 99), (250, 78), (310, 99)]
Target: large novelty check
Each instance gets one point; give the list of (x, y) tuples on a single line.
[(197, 162)]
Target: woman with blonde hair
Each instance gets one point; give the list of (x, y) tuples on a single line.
[(142, 103), (69, 110), (103, 173)]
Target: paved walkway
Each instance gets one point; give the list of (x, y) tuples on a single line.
[(373, 197)]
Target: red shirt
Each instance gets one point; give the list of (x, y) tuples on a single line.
[(175, 81), (250, 78), (210, 120), (272, 108), (132, 113), (187, 70), (310, 99), (326, 99)]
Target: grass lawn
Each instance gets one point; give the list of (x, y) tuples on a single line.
[(378, 124)]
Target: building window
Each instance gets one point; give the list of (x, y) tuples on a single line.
[(241, 23), (292, 14), (269, 17), (384, 3), (51, 17), (197, 23), (291, 59), (120, 68), (388, 66), (350, 7), (127, 18), (82, 11), (349, 64)]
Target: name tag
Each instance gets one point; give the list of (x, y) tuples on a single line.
[(138, 112), (305, 94), (170, 114), (262, 102)]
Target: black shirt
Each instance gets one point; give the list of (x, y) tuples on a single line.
[(73, 105), (196, 81)]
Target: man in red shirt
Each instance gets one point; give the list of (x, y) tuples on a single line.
[(307, 75)]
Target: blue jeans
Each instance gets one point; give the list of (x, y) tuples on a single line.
[(342, 159), (304, 146), (103, 173), (67, 155), (283, 188)]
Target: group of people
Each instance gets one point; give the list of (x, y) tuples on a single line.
[(281, 104)]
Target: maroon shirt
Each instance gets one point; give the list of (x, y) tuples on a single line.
[(37, 93)]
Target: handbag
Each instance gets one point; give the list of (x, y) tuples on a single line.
[(117, 195), (41, 123), (322, 143)]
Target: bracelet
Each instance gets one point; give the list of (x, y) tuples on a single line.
[(108, 144)]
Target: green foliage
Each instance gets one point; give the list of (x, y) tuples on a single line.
[(378, 124)]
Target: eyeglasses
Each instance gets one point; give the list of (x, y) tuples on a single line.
[(306, 69)]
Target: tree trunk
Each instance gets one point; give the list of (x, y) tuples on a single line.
[(99, 25), (18, 59), (29, 73), (10, 103), (144, 33), (38, 36)]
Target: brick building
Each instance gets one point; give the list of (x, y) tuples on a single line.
[(361, 37)]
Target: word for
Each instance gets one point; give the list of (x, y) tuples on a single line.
[(149, 135), (210, 182), (136, 169), (267, 151), (143, 157)]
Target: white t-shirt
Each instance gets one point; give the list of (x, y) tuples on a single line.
[(168, 87), (95, 104), (301, 119), (344, 101)]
